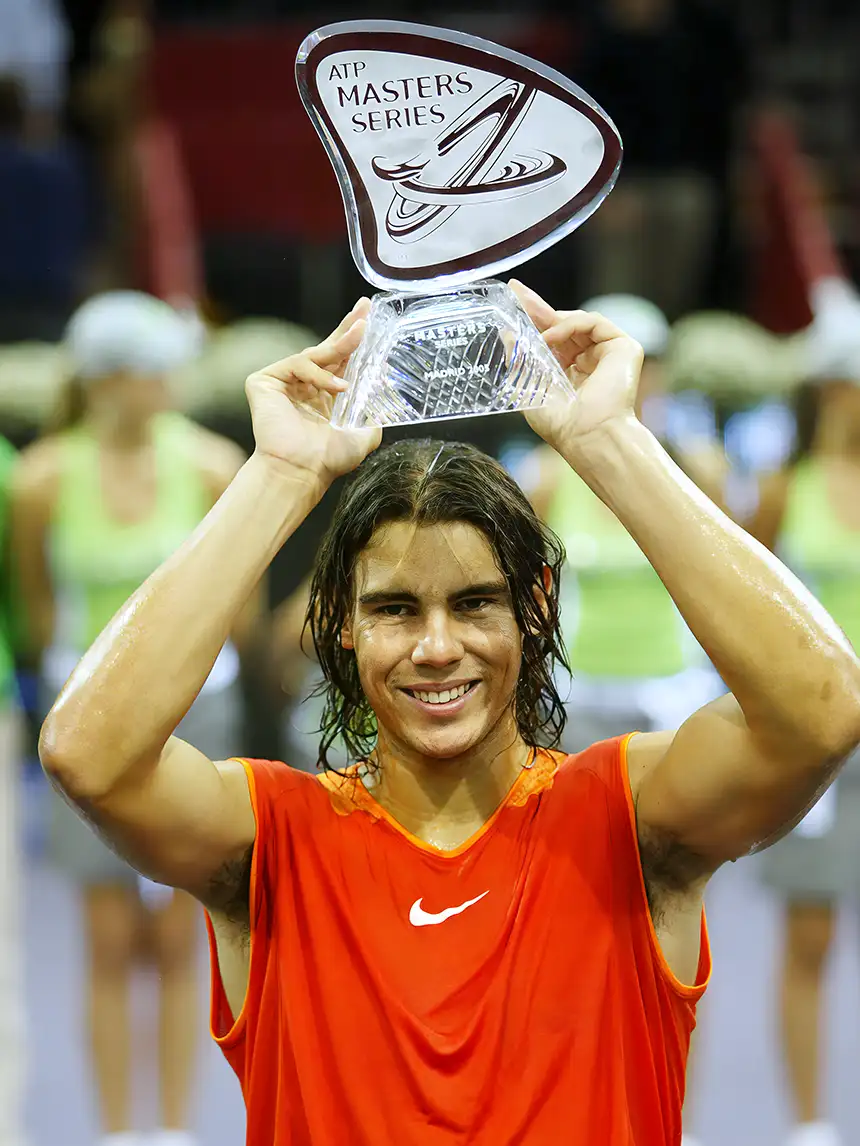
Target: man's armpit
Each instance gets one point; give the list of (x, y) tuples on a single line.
[(670, 871), (229, 890)]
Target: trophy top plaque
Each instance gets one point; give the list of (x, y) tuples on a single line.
[(457, 158)]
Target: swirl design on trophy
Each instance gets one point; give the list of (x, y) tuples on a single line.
[(421, 203)]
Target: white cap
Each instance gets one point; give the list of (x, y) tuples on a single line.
[(728, 356), (133, 332), (641, 319), (832, 340)]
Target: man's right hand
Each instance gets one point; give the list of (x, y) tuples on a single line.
[(291, 403)]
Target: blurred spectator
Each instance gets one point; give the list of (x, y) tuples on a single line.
[(110, 41), (98, 505), (809, 513), (33, 51), (296, 677), (42, 225), (12, 1024), (672, 76), (740, 367), (212, 391), (634, 662)]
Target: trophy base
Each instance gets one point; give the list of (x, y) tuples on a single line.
[(458, 354)]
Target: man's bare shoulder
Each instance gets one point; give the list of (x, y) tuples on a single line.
[(645, 750)]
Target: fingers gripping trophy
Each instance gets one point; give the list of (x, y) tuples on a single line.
[(457, 160)]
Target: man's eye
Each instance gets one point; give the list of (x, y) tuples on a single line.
[(474, 604), (393, 610)]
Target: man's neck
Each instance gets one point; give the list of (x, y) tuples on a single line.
[(444, 802)]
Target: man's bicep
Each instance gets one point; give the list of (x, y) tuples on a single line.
[(188, 822), (712, 789)]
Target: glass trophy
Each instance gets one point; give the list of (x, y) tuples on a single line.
[(457, 160)]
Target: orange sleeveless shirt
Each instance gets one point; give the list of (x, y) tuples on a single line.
[(508, 993)]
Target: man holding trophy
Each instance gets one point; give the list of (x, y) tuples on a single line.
[(465, 937)]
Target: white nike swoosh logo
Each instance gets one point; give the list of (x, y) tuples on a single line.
[(418, 917)]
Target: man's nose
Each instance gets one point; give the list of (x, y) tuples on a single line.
[(438, 644)]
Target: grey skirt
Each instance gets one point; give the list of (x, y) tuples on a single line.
[(213, 725), (820, 861)]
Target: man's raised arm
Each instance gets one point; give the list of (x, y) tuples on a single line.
[(107, 742), (745, 768)]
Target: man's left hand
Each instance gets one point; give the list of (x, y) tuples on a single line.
[(602, 363)]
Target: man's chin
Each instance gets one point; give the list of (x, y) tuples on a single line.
[(445, 744)]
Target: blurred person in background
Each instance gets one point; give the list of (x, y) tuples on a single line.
[(673, 77), (12, 1023), (634, 662), (809, 514), (109, 43), (33, 54), (295, 676), (98, 504), (42, 222)]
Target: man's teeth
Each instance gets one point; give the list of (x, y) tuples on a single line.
[(442, 697)]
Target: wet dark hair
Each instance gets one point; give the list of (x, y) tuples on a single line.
[(431, 482)]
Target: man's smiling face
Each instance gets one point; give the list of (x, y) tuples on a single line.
[(436, 640)]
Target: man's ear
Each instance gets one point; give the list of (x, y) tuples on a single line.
[(346, 641), (542, 592), (546, 576)]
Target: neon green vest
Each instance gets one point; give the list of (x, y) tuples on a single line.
[(823, 552), (98, 562), (619, 620)]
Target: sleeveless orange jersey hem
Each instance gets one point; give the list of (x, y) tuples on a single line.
[(509, 993)]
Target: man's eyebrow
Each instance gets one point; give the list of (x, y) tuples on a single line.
[(385, 596), (482, 589)]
